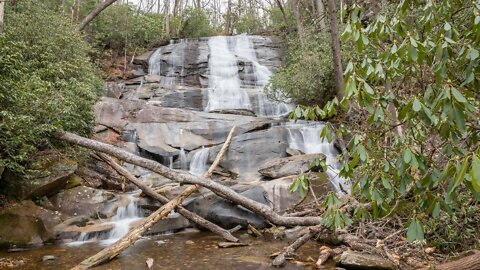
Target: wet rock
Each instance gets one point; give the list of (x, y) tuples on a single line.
[(227, 214), (26, 224), (142, 60), (189, 242), (82, 201), (356, 260), (113, 90), (293, 165), (113, 113), (172, 223), (248, 151), (57, 174), (49, 258), (293, 152)]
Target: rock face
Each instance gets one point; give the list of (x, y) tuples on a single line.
[(27, 224), (82, 201), (248, 151), (59, 173), (356, 260), (293, 165)]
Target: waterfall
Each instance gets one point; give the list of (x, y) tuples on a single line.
[(125, 216), (198, 165), (305, 137), (176, 58), (225, 90), (183, 160)]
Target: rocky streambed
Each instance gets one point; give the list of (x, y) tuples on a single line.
[(177, 108)]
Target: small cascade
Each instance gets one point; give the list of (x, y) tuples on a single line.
[(305, 137), (224, 82), (198, 165), (183, 160), (125, 216), (176, 58)]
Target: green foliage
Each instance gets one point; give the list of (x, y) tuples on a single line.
[(307, 75), (47, 82), (417, 84), (121, 26), (196, 24), (301, 184)]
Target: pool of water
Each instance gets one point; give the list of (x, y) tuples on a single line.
[(196, 250)]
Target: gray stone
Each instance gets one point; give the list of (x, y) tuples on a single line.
[(49, 258), (113, 90), (293, 152), (357, 260), (248, 151), (58, 175), (82, 201), (293, 165), (172, 223), (26, 224)]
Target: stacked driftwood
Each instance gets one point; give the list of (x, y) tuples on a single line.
[(349, 241)]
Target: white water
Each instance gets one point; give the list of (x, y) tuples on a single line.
[(305, 137), (176, 58), (225, 90), (183, 160), (125, 216), (199, 163)]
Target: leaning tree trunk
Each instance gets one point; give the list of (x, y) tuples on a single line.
[(94, 14), (337, 58), (298, 20), (187, 178)]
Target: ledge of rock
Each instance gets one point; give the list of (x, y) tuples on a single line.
[(293, 165), (356, 260)]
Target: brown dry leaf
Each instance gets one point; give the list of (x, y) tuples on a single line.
[(149, 263)]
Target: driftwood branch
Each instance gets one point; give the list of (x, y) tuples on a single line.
[(182, 211), (114, 250), (289, 251), (471, 262), (94, 14), (221, 153), (187, 178)]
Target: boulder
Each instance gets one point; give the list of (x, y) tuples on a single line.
[(248, 151), (172, 223), (55, 176), (293, 165), (142, 59), (82, 201), (112, 113), (27, 224), (357, 260), (113, 90), (227, 214)]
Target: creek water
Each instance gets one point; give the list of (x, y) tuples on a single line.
[(173, 252)]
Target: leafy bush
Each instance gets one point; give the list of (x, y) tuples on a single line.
[(120, 26), (196, 24), (47, 82), (307, 76)]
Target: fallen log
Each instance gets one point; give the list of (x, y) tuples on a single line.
[(187, 178), (114, 250), (281, 258), (471, 262), (182, 211)]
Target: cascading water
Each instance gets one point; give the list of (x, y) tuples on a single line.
[(175, 59), (198, 165), (224, 83), (305, 137), (183, 160), (125, 216)]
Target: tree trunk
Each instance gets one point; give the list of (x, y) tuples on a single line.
[(166, 17), (337, 58), (284, 15), (187, 178), (471, 262), (182, 211), (298, 20), (2, 7), (321, 14), (229, 17), (94, 14)]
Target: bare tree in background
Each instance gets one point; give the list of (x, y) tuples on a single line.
[(94, 13), (298, 20), (321, 14), (2, 7), (337, 59)]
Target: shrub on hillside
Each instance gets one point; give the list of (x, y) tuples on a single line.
[(47, 82), (196, 24)]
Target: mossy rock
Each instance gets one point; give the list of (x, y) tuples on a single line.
[(74, 181), (22, 226)]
